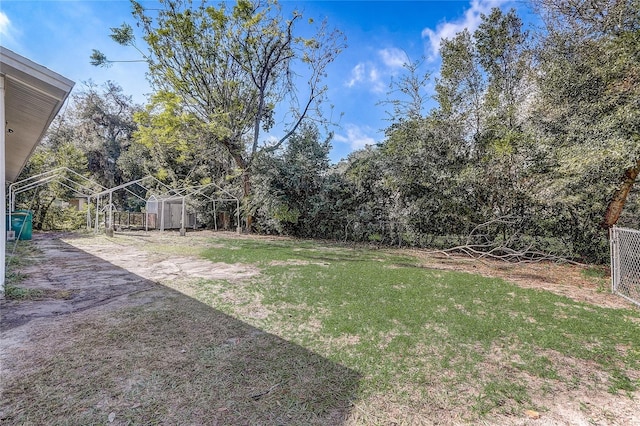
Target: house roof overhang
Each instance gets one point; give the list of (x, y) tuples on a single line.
[(33, 97)]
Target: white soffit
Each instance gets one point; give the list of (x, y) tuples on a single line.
[(33, 97)]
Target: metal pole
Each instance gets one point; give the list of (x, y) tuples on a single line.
[(88, 213), (238, 216), (111, 210), (613, 256), (162, 217), (183, 228), (11, 204), (215, 217), (97, 212)]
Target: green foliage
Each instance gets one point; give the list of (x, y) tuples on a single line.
[(460, 88), (508, 161), (41, 200), (92, 137), (99, 123), (223, 69), (175, 146), (500, 45), (293, 188), (585, 113), (462, 174), (63, 218), (122, 35), (12, 292), (98, 58)]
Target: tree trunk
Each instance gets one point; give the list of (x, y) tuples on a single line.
[(246, 186), (42, 214), (614, 209), (246, 189)]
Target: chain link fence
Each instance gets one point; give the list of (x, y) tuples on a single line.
[(625, 263)]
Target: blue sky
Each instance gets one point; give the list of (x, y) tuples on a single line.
[(381, 35)]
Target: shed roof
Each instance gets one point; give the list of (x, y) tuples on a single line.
[(33, 97)]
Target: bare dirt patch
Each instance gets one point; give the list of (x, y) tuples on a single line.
[(162, 267), (563, 279)]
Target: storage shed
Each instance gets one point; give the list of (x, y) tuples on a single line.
[(169, 212)]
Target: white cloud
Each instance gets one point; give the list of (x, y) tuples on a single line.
[(375, 79), (393, 57), (270, 140), (4, 23), (356, 137), (374, 74), (6, 28), (470, 20), (357, 75), (368, 74)]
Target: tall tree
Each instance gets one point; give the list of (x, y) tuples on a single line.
[(100, 123), (179, 147), (503, 148), (461, 86), (236, 68), (500, 44), (590, 84), (480, 95), (290, 183)]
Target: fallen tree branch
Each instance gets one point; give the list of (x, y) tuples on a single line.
[(502, 253)]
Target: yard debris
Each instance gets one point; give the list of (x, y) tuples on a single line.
[(534, 415), (261, 394)]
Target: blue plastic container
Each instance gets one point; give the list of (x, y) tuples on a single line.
[(22, 224)]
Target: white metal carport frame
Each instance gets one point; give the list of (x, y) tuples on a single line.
[(86, 189), (125, 186)]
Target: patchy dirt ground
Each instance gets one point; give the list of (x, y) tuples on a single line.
[(108, 293), (562, 279), (145, 353)]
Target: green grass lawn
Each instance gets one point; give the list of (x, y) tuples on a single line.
[(453, 339)]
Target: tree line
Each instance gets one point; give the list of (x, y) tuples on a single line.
[(531, 151)]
